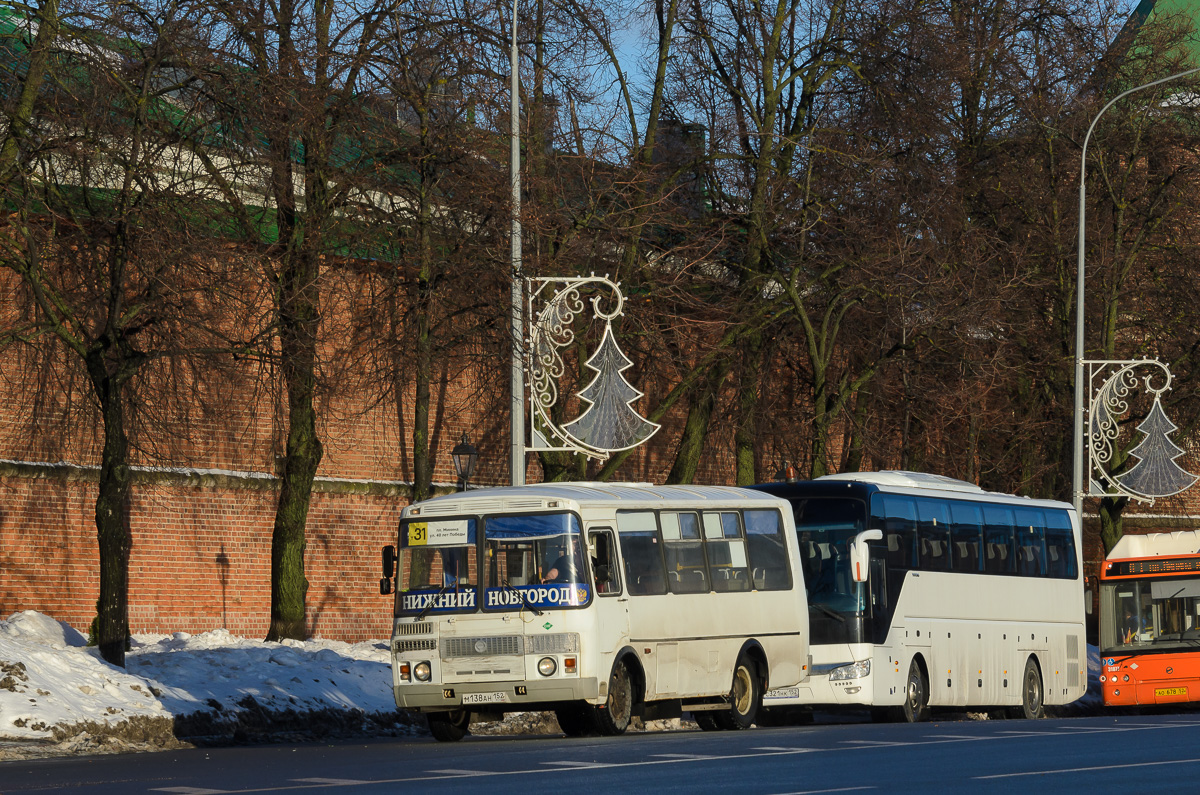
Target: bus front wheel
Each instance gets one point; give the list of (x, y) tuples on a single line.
[(1032, 695), (613, 718), (449, 727), (745, 696), (916, 694)]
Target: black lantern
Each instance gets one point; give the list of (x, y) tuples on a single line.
[(465, 457)]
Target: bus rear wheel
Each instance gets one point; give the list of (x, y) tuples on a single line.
[(1033, 704), (706, 720), (613, 718), (916, 694), (449, 727), (745, 696)]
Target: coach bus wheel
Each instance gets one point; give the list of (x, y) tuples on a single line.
[(614, 717), (745, 696), (575, 720), (449, 727), (916, 694), (1032, 696), (706, 720)]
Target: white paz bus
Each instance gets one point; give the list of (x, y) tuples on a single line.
[(963, 598), (597, 601)]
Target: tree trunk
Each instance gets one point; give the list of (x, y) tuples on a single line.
[(297, 334), (112, 515), (695, 428), (1110, 521), (745, 438)]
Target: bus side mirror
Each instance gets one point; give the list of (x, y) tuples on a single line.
[(860, 554), (389, 569), (1089, 592)]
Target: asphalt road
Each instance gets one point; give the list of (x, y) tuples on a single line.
[(1094, 754)]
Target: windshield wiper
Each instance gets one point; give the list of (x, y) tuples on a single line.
[(827, 611), (521, 596), (433, 601)]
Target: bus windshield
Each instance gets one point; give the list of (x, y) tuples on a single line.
[(535, 562), (836, 603), (1150, 615), (439, 567)]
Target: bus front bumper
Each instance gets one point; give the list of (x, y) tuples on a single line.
[(494, 696)]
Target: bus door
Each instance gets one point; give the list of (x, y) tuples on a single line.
[(611, 605)]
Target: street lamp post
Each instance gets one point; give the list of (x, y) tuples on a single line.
[(1077, 487), (517, 407), (465, 457)]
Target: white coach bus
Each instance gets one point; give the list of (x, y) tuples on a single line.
[(597, 601), (924, 591)]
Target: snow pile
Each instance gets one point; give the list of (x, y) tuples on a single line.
[(52, 686)]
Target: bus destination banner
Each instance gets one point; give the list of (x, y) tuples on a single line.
[(444, 533), (436, 602), (564, 595)]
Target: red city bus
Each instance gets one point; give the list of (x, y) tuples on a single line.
[(1150, 619)]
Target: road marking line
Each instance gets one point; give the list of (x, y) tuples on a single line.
[(815, 791), (1091, 769), (871, 743), (565, 763), (682, 756), (342, 781), (190, 790), (782, 748), (454, 771)]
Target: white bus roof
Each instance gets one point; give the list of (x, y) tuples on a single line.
[(912, 480), (1179, 542), (540, 496)]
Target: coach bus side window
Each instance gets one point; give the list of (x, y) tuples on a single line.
[(1060, 545), (933, 535), (1030, 541), (686, 570), (726, 552), (998, 539), (899, 525), (638, 532), (767, 551), (966, 535)]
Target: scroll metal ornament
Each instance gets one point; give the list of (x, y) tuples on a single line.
[(1155, 474), (609, 423)]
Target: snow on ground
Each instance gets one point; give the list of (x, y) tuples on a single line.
[(53, 686), (215, 686)]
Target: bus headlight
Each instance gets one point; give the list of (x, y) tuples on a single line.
[(856, 670), (421, 671), (547, 666)]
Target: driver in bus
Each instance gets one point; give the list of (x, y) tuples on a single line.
[(567, 567), (1132, 625)]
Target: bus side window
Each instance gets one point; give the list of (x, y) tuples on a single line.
[(899, 523), (767, 551), (1030, 539), (967, 536), (604, 562), (998, 538), (1060, 545), (933, 536), (686, 569), (640, 547), (726, 551)]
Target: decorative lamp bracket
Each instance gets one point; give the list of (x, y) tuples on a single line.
[(609, 423), (1111, 383)]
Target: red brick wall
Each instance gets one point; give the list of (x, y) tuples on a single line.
[(201, 557)]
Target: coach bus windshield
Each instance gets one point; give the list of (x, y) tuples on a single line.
[(1150, 615), (535, 562), (836, 603), (439, 571)]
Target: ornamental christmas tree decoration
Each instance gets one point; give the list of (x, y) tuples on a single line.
[(610, 422), (1156, 472)]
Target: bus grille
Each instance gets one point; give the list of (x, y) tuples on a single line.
[(422, 628), (428, 644), (483, 647), (558, 643)]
